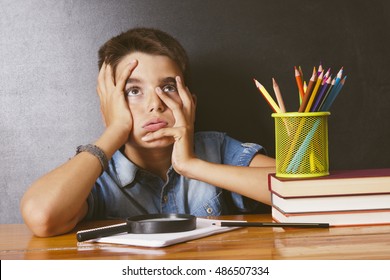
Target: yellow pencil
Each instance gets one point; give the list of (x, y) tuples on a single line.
[(267, 97), (308, 91), (314, 93)]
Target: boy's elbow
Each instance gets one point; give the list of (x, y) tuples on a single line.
[(39, 219)]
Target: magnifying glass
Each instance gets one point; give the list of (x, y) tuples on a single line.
[(145, 224)]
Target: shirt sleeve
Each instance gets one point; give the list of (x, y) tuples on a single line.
[(241, 154), (238, 153)]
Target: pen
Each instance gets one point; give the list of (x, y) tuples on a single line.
[(265, 224), (88, 234)]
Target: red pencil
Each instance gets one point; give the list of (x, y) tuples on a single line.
[(298, 78)]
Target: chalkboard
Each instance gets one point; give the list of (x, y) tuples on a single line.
[(48, 71)]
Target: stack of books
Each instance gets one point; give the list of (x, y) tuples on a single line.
[(343, 198)]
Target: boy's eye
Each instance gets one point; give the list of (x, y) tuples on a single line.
[(169, 88), (133, 92)]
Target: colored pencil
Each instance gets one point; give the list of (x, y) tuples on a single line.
[(278, 95), (321, 95), (320, 68), (331, 99), (331, 94), (298, 79), (339, 74), (327, 94), (338, 77), (303, 82), (317, 95), (301, 73), (267, 97), (313, 94), (281, 103), (308, 91), (326, 75)]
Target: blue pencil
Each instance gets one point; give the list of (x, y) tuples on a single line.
[(331, 94), (331, 99)]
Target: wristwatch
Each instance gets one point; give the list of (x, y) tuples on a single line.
[(97, 152)]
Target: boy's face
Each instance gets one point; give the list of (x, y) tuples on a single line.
[(149, 112)]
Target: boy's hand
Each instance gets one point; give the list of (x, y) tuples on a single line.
[(183, 129), (113, 105)]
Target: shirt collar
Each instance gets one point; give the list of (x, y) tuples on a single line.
[(123, 169)]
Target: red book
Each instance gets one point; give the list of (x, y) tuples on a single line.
[(337, 183)]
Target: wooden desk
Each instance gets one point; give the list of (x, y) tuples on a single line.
[(369, 242)]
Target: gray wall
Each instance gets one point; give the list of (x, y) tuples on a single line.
[(48, 68)]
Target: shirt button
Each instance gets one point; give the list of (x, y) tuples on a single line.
[(209, 210), (165, 198)]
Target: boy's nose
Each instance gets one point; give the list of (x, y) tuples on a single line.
[(155, 103)]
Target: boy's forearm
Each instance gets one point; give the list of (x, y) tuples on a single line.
[(251, 181), (52, 203), (57, 201)]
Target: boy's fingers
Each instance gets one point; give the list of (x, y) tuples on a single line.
[(101, 72), (108, 78), (161, 133), (184, 94), (126, 74), (186, 97), (100, 80), (175, 107)]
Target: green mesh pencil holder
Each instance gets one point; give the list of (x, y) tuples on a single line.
[(301, 143)]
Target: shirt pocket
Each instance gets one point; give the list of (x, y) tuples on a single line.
[(211, 207)]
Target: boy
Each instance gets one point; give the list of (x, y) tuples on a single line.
[(148, 159)]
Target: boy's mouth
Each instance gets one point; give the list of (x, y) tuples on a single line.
[(154, 125)]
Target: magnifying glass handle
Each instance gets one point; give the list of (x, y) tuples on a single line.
[(88, 234)]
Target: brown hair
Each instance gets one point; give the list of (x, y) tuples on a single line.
[(145, 40)]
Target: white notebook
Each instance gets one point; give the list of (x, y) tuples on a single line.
[(204, 227)]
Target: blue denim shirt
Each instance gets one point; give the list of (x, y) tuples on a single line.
[(126, 190)]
